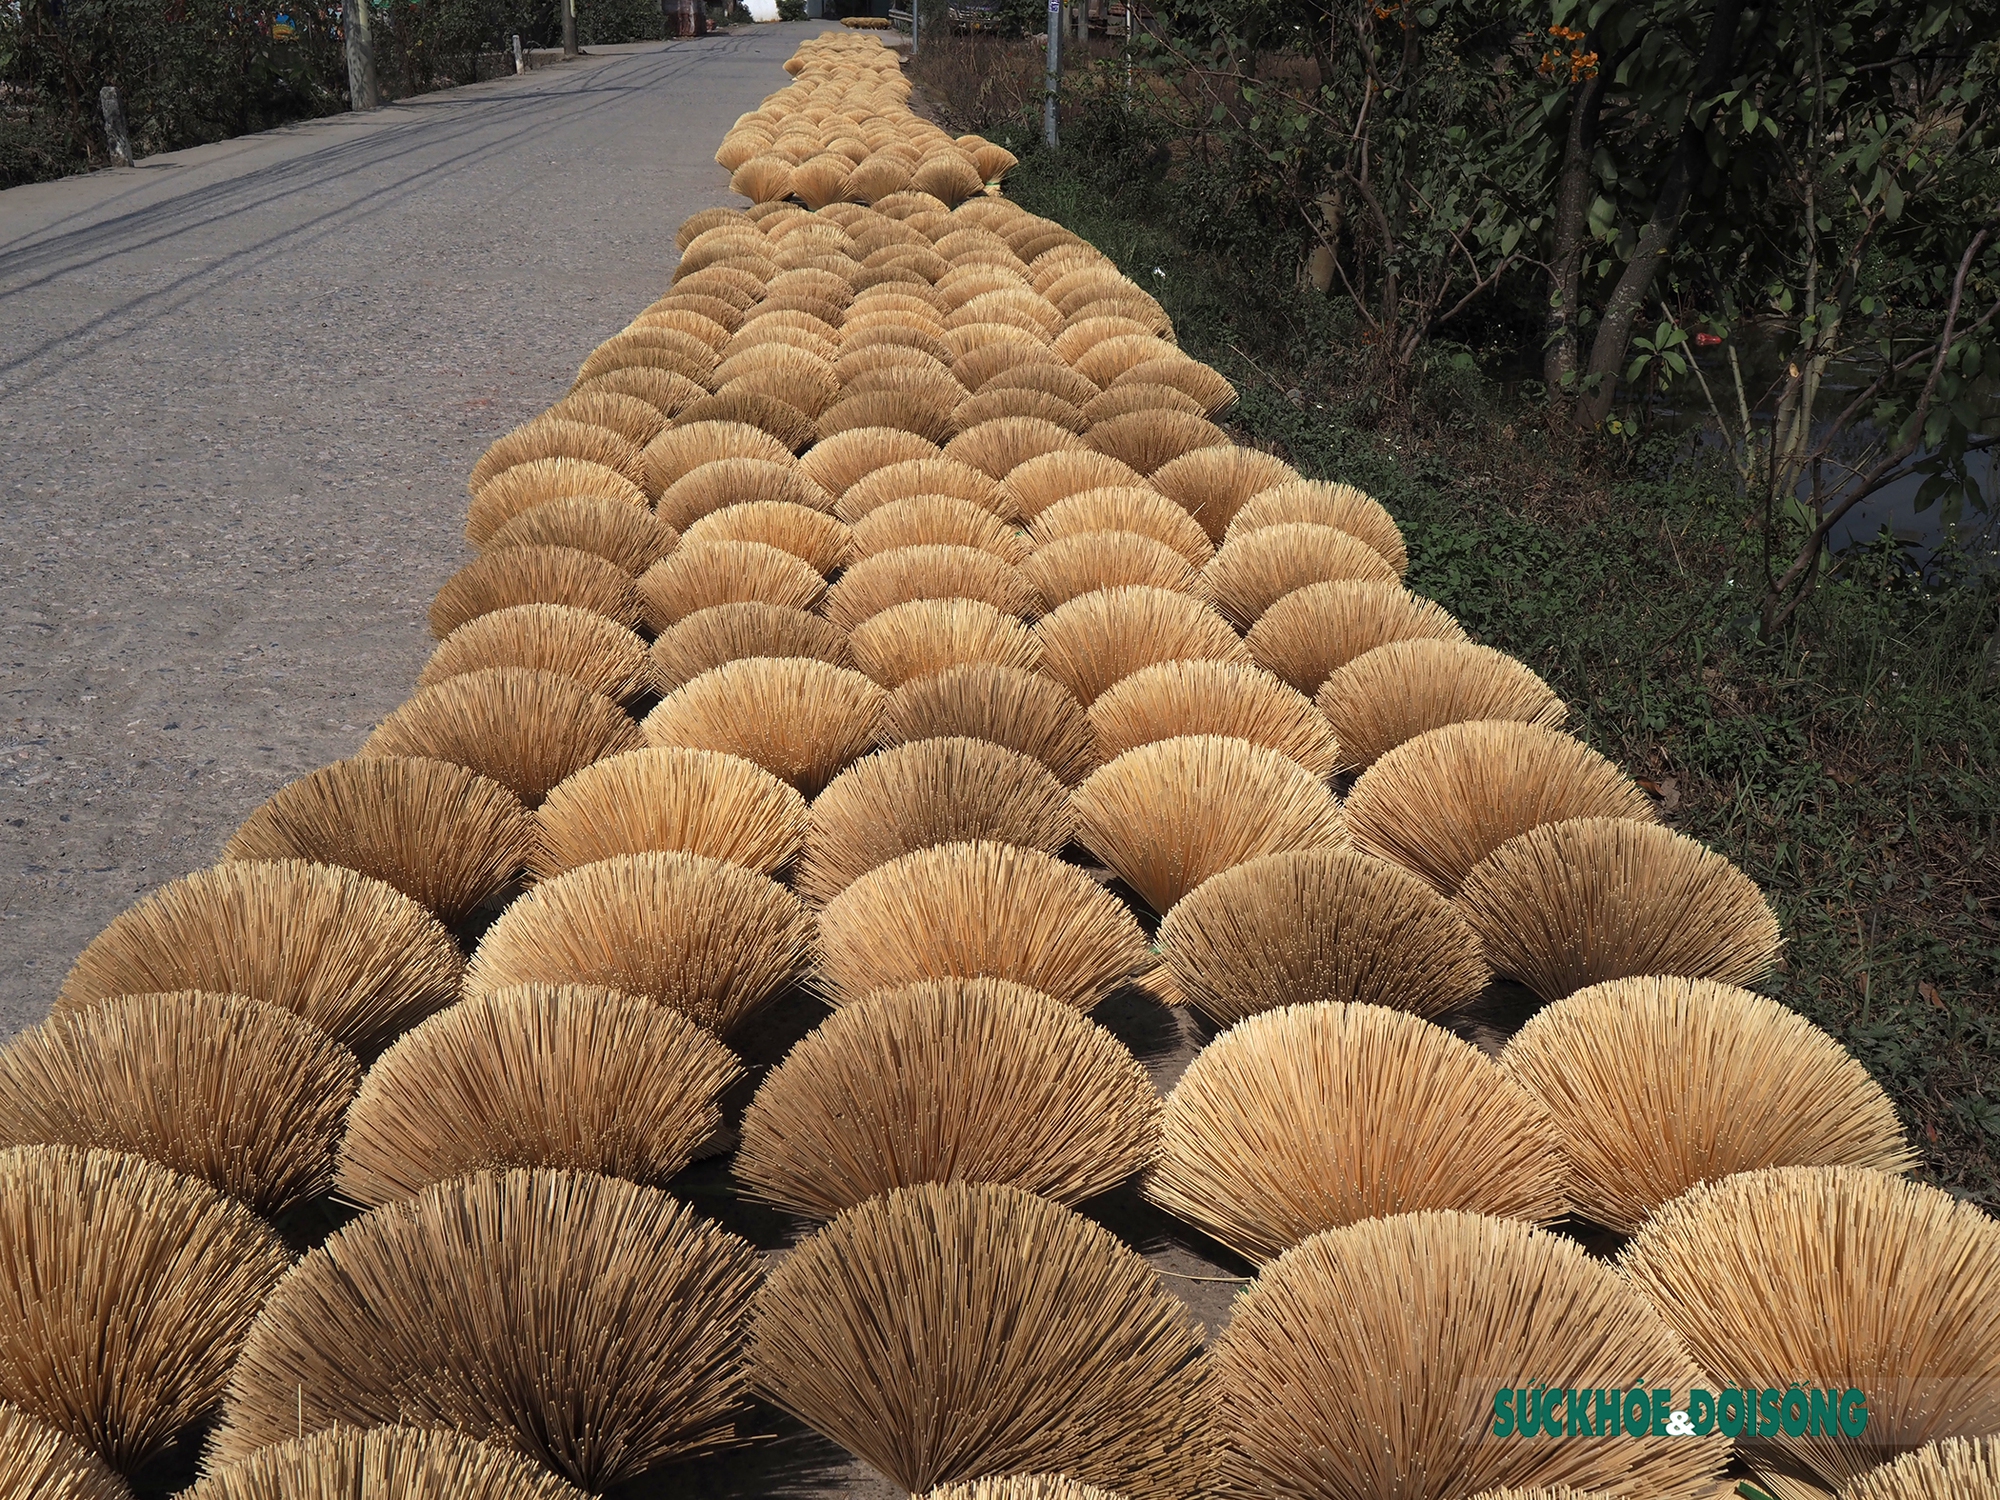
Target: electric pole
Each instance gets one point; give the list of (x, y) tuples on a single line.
[(362, 92)]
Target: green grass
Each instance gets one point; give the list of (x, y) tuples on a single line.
[(1849, 771)]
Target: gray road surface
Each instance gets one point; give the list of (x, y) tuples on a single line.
[(240, 389)]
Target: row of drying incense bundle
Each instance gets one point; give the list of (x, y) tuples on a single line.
[(883, 614)]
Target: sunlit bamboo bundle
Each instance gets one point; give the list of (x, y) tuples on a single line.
[(1587, 900), (1170, 814), (1364, 1363), (1840, 1278), (724, 633), (354, 957), (1100, 638), (1022, 1487), (1123, 508), (1310, 1117), (1315, 631), (1949, 1469), (1396, 692), (1210, 697), (42, 1462), (1658, 1084), (801, 719), (536, 1076), (125, 1293), (621, 533), (952, 1330), (979, 910), (442, 835), (382, 1463), (1008, 706), (924, 794), (668, 800), (1340, 506), (1440, 803), (975, 1080), (701, 936), (1319, 925), (510, 576), (246, 1097), (588, 1323), (525, 729), (592, 650)]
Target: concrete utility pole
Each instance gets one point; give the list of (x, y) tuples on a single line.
[(116, 135), (569, 27), (519, 66), (1054, 74), (362, 90)]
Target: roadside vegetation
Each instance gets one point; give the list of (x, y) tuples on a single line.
[(191, 71), (1837, 732)]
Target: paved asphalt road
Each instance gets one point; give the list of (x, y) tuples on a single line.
[(240, 389)]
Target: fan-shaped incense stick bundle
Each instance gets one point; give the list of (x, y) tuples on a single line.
[(1440, 803), (1949, 1469), (1101, 638), (812, 536), (523, 488), (1658, 1084), (956, 1081), (723, 482), (924, 413), (1319, 925), (998, 447), (1022, 1487), (1364, 1363), (937, 520), (1046, 376), (1008, 706), (1125, 508), (959, 1329), (1309, 1117), (1252, 571), (40, 1462), (922, 476), (927, 572), (1169, 815), (691, 801), (702, 575), (534, 575), (125, 1294), (1340, 506), (628, 416), (984, 910), (1840, 1278), (921, 795), (551, 437), (1545, 1492), (1205, 385), (590, 650), (844, 460), (1000, 401), (1041, 482), (701, 936), (802, 720), (1396, 692), (1076, 565), (537, 1076), (625, 536), (352, 956), (1312, 632), (525, 729), (1212, 484), (244, 1096), (666, 391), (1122, 400), (440, 834), (1149, 440), (1587, 900), (1174, 698), (587, 1322), (383, 1463), (679, 451), (804, 383), (912, 640), (713, 637)]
